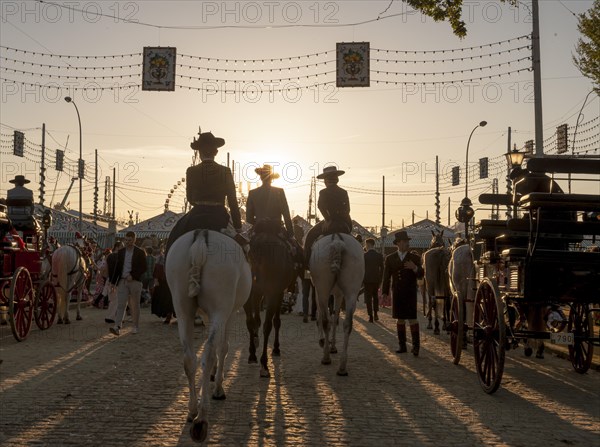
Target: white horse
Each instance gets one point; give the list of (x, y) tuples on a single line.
[(206, 270), (337, 267), (69, 270)]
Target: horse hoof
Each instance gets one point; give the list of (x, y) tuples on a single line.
[(342, 373), (321, 342), (333, 351), (326, 362), (219, 396), (265, 373), (252, 360), (79, 318), (59, 322), (528, 351), (199, 430), (276, 353), (212, 377), (436, 331), (67, 321), (430, 326)]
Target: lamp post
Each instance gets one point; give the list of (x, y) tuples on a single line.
[(79, 166), (465, 212)]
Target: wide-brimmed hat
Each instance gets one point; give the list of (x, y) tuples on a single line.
[(266, 172), (401, 236), (19, 179), (330, 171), (206, 141)]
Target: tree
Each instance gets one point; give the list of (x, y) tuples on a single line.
[(587, 59), (451, 10)]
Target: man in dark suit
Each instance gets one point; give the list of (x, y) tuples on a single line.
[(334, 205), (208, 184), (403, 269), (126, 274), (372, 278)]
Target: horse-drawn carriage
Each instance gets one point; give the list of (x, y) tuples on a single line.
[(531, 277), (26, 293)]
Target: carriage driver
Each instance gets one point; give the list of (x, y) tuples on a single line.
[(207, 186), (266, 206), (334, 205)]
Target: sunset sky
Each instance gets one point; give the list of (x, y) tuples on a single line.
[(394, 129)]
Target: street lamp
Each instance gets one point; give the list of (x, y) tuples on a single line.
[(79, 166), (465, 212), (515, 160)]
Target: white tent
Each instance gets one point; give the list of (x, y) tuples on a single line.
[(160, 225)]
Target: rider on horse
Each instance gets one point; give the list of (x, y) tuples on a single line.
[(208, 184), (265, 207), (334, 205)]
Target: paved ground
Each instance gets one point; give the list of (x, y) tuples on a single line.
[(78, 385)]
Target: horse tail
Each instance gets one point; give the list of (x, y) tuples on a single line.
[(335, 254), (59, 269), (198, 254)]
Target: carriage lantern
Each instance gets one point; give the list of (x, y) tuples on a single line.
[(515, 158)]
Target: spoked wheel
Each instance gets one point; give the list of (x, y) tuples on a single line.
[(45, 306), (20, 303), (582, 327), (489, 336), (457, 328)]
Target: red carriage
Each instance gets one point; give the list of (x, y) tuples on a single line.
[(533, 269), (26, 293)]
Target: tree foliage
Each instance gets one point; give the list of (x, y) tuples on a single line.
[(450, 10), (587, 58)]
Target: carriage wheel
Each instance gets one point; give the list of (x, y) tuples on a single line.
[(20, 303), (580, 352), (489, 336), (45, 306), (457, 328)]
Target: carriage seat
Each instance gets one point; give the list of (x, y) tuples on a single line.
[(566, 202), (20, 212)]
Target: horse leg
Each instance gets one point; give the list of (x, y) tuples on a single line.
[(324, 324), (336, 321), (434, 305), (222, 350), (277, 325), (186, 335), (252, 329), (199, 428), (264, 358), (60, 308), (79, 296), (347, 325)]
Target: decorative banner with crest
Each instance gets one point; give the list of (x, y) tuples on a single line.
[(353, 64), (159, 68)]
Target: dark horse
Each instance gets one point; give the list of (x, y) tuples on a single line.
[(437, 282), (272, 272)]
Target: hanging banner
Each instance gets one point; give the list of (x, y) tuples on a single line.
[(159, 69), (353, 64)]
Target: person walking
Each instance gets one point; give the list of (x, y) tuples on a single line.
[(402, 269), (372, 278), (127, 275)]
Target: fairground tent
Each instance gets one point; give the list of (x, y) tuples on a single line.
[(420, 234)]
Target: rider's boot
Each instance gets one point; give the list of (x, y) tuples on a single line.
[(416, 338), (401, 329)]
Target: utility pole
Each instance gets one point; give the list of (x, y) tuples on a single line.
[(537, 79), (114, 192), (437, 191), (43, 167), (383, 201), (312, 202), (95, 188)]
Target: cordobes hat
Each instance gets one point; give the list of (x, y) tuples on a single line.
[(206, 142), (401, 236), (19, 180), (266, 172), (330, 171)]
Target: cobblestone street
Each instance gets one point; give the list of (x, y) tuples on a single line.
[(79, 385)]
